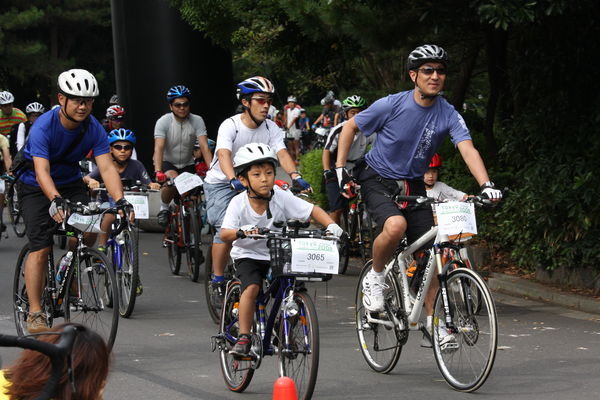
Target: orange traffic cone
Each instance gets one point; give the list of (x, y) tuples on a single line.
[(284, 389)]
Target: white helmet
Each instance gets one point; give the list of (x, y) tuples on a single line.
[(251, 154), (34, 107), (6, 98), (292, 98), (78, 83)]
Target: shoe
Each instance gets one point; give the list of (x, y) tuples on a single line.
[(139, 289), (372, 288), (163, 217), (446, 340), (217, 295), (103, 250), (241, 348), (36, 322)]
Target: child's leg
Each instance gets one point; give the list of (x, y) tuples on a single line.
[(247, 307)]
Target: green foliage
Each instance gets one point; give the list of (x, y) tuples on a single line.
[(311, 168)]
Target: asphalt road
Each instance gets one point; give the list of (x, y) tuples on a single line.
[(163, 350)]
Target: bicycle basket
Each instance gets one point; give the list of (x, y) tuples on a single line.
[(280, 251)]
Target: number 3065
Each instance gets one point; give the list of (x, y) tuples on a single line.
[(315, 257)]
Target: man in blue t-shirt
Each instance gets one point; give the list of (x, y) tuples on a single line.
[(410, 126), (57, 142)]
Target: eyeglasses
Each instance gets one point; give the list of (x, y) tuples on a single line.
[(430, 70), (262, 100), (181, 105), (120, 147), (83, 101)]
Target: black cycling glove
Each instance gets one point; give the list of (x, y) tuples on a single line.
[(57, 204)]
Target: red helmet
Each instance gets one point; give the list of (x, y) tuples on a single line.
[(436, 161), (115, 111)]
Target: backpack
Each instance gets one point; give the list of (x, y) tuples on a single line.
[(14, 131)]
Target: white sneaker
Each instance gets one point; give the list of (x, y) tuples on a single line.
[(446, 340), (372, 288)]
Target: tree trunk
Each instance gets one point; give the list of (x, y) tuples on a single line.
[(460, 84)]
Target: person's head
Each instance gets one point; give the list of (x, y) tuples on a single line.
[(433, 173), (327, 102), (256, 96), (77, 90), (90, 363), (427, 69), (292, 101), (114, 100), (115, 114), (121, 141), (6, 102), (255, 165), (302, 112), (352, 105), (179, 98), (33, 111)]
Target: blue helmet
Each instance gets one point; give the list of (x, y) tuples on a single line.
[(178, 91), (255, 84), (121, 134), (212, 144)]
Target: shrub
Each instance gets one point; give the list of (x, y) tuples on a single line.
[(311, 169)]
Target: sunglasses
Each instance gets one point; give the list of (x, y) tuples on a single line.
[(430, 70), (262, 100), (83, 101), (120, 147), (181, 105)]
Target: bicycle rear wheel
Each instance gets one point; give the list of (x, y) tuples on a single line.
[(299, 352), (213, 309), (237, 373), (171, 242), (466, 361), (128, 275), (378, 336), (14, 211), (95, 285), (193, 241)]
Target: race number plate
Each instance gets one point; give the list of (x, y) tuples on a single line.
[(456, 218), (315, 256), (186, 182), (140, 205), (85, 223)]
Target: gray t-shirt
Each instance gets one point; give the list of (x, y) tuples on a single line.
[(180, 137)]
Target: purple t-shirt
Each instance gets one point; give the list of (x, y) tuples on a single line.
[(49, 139), (408, 134)]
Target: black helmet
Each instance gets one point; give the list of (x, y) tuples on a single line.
[(427, 53)]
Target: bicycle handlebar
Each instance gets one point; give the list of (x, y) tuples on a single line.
[(56, 352), (423, 200)]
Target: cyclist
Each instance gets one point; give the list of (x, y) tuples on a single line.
[(221, 184), (439, 190), (201, 165), (20, 131), (292, 124), (352, 105), (9, 115), (115, 118), (57, 141), (410, 125), (90, 359), (260, 206), (327, 117), (174, 136)]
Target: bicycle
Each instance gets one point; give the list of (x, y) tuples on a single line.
[(12, 202), (83, 292), (466, 362), (288, 327), (182, 234), (58, 354)]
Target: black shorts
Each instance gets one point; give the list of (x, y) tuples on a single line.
[(39, 226), (251, 271), (167, 166), (377, 191), (335, 198)]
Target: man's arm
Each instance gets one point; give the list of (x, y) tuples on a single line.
[(110, 176), (288, 165), (7, 159), (326, 159), (473, 160), (157, 157), (345, 142), (206, 154), (226, 163), (43, 178)]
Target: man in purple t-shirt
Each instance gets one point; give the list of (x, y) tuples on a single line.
[(410, 126)]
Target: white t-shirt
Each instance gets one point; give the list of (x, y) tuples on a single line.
[(292, 119), (233, 134), (441, 191), (283, 206)]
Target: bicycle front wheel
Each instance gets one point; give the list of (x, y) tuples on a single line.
[(193, 241), (92, 287), (127, 274), (14, 212), (378, 335), (237, 373), (466, 358), (171, 242), (299, 351)]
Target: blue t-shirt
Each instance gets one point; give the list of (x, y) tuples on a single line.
[(49, 139), (408, 134)]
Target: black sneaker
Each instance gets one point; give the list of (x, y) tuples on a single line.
[(241, 348), (163, 217), (217, 296)]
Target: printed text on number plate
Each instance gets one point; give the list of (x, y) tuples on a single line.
[(456, 217)]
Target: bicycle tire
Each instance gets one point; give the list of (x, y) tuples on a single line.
[(98, 288), (14, 212), (171, 243), (213, 310), (379, 343), (367, 236), (236, 373), (467, 362), (299, 359), (345, 243), (128, 275), (195, 257)]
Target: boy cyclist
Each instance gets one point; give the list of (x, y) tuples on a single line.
[(260, 206)]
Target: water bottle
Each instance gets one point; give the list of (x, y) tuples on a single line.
[(62, 266)]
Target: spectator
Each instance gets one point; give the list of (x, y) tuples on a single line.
[(9, 115)]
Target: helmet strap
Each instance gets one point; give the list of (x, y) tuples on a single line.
[(64, 111), (259, 197), (423, 95)]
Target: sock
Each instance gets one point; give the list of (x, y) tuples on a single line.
[(379, 275), (429, 323), (218, 278), (163, 206)]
